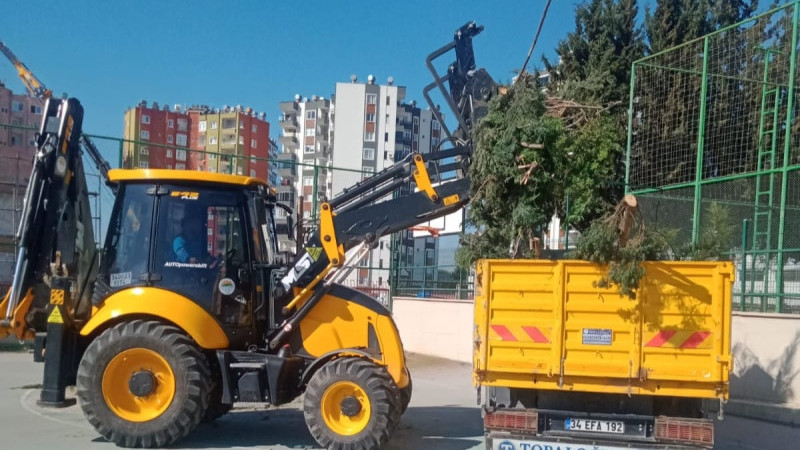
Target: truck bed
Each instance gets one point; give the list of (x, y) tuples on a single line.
[(542, 324)]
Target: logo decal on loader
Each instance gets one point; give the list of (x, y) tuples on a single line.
[(314, 252)]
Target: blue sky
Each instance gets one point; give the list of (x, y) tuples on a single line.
[(112, 54)]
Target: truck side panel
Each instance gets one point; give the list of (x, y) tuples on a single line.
[(545, 325)]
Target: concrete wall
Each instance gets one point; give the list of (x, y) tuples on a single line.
[(766, 358), (440, 328)]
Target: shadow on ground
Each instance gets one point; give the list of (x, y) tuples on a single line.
[(432, 427)]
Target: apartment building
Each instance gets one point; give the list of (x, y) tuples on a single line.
[(20, 117), (308, 134), (232, 140)]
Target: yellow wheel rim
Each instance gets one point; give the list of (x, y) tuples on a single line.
[(117, 392), (355, 417)]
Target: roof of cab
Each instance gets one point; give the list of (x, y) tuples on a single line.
[(118, 175)]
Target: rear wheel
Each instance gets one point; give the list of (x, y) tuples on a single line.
[(351, 404), (143, 384), (405, 395)]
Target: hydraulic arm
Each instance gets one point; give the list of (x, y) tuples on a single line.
[(373, 208)]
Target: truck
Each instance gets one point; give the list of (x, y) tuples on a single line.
[(562, 363), (158, 335)]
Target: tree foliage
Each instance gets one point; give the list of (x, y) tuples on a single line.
[(508, 206)]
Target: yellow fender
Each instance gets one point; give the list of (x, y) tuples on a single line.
[(345, 320), (184, 313)]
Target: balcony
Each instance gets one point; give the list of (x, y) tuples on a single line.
[(288, 123), (289, 107), (289, 140)]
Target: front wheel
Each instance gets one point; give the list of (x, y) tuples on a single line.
[(351, 403), (143, 384)]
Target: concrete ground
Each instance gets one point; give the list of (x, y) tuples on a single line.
[(442, 415)]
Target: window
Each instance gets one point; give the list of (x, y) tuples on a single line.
[(369, 136), (170, 123), (183, 125), (369, 154), (143, 164), (308, 181), (15, 140), (209, 246), (212, 169), (201, 125), (35, 109), (241, 140), (170, 139), (210, 231), (145, 135), (201, 141), (16, 106), (169, 166), (254, 128), (213, 124), (388, 102), (253, 143), (311, 114), (241, 125), (143, 150), (180, 139), (228, 123), (406, 134), (212, 156), (372, 99), (180, 166), (253, 172), (180, 155), (416, 121), (309, 132), (238, 170), (145, 118), (370, 117), (366, 172), (309, 149), (212, 140), (385, 137), (435, 125), (434, 142), (169, 153)]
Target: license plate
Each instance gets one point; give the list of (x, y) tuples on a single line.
[(599, 426), (535, 444)]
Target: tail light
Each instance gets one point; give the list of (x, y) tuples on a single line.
[(512, 420), (694, 431)]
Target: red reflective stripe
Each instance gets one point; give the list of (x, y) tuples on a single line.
[(661, 338), (503, 332), (536, 335), (696, 339)]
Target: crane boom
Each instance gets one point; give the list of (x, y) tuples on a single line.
[(35, 87)]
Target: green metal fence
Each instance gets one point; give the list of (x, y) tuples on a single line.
[(712, 126)]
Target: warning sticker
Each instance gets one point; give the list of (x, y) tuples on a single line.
[(55, 316), (596, 336), (314, 252), (120, 279)]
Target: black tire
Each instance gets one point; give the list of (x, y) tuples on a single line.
[(190, 377), (405, 394), (216, 408), (380, 391)]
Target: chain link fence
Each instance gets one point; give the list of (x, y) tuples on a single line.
[(712, 133)]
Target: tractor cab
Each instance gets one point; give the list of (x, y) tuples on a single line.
[(209, 238)]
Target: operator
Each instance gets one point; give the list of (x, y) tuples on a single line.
[(189, 245)]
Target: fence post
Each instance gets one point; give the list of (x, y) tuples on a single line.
[(743, 281), (701, 131), (786, 153), (314, 189)]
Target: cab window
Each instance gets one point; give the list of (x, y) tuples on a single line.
[(128, 242)]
